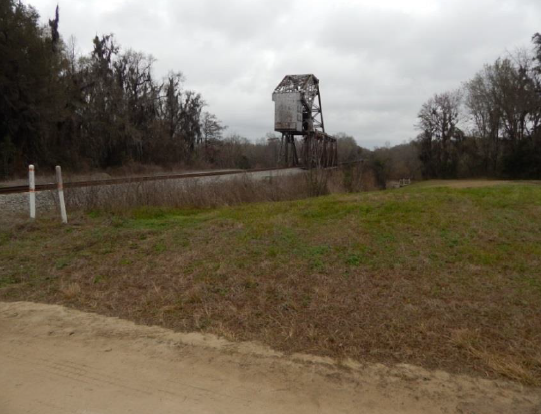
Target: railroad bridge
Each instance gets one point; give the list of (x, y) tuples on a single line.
[(298, 112)]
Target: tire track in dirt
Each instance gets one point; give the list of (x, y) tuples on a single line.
[(86, 374), (56, 360)]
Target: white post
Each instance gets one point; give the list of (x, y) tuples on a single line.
[(32, 191), (61, 194)]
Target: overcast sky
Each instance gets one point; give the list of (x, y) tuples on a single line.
[(377, 60)]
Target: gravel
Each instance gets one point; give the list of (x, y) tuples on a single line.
[(19, 203)]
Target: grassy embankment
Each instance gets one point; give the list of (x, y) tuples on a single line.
[(440, 277)]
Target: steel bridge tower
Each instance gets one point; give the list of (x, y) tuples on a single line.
[(298, 112)]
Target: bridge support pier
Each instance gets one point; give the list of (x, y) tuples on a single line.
[(288, 151)]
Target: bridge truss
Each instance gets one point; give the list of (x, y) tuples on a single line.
[(298, 113)]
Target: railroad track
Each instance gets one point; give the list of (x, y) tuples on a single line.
[(125, 180)]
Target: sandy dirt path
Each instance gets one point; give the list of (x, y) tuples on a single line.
[(57, 360)]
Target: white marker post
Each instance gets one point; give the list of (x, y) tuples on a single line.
[(32, 191), (61, 194)]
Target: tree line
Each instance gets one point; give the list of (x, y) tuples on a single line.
[(100, 110), (107, 109), (489, 127)]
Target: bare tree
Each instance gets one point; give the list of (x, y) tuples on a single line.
[(441, 136), (211, 128), (486, 117)]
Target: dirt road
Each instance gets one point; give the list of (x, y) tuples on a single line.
[(56, 360)]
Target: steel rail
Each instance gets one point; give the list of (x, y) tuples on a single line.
[(127, 180)]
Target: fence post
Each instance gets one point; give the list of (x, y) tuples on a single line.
[(32, 191), (61, 194)]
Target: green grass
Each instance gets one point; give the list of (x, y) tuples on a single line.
[(441, 277)]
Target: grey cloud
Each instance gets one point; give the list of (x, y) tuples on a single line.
[(376, 65)]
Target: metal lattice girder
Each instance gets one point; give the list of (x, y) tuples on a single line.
[(288, 151), (307, 85), (298, 111), (319, 150), (304, 91)]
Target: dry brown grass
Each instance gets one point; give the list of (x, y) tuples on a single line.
[(224, 191), (71, 290), (197, 193)]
